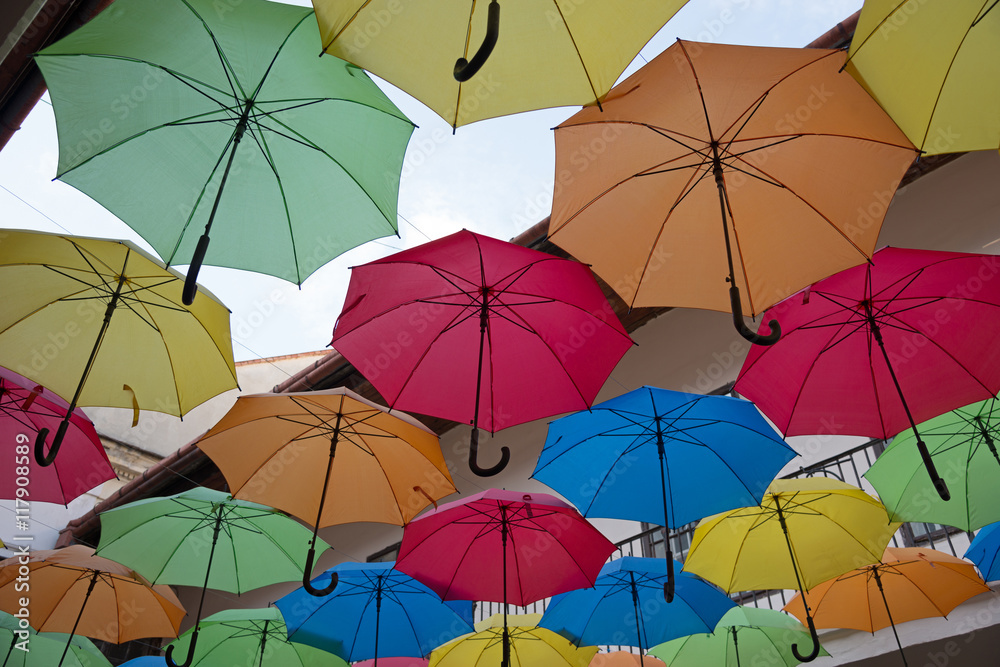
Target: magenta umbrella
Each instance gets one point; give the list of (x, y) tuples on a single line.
[(480, 331), (26, 408), (877, 348), (503, 546)]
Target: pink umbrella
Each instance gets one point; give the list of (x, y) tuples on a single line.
[(875, 348), (25, 409), (480, 331)]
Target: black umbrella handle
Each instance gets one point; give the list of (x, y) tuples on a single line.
[(474, 455), (169, 657), (306, 584), (939, 483), (191, 282), (743, 329), (815, 637), (466, 69), (43, 459), (669, 584)]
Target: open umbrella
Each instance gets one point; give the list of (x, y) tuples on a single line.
[(574, 51), (373, 611), (328, 457), (933, 317), (74, 591), (25, 409), (182, 119), (166, 539), (983, 551), (804, 532), (777, 141), (529, 645), (480, 331), (905, 585), (963, 445), (745, 636), (101, 323), (626, 607), (503, 546), (662, 457), (28, 648), (934, 65)]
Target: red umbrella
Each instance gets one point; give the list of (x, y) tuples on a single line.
[(503, 546), (480, 331), (25, 409), (875, 348)]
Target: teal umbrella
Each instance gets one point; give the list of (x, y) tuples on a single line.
[(22, 646), (185, 117)]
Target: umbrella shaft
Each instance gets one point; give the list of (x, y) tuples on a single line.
[(241, 127), (108, 312), (69, 640), (878, 580)]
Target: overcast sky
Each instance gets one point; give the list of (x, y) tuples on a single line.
[(493, 177)]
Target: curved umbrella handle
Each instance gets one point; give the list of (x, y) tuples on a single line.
[(743, 329), (306, 584), (191, 282), (939, 483), (169, 657), (466, 69), (43, 459), (815, 649), (474, 455)]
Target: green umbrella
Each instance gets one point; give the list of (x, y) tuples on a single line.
[(163, 106), (963, 444), (22, 646), (206, 538), (744, 636), (251, 637)]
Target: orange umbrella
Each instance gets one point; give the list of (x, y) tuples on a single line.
[(908, 583), (800, 159)]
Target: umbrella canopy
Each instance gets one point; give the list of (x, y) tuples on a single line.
[(804, 532), (513, 333), (626, 607), (103, 325), (744, 636), (907, 584), (962, 444), (373, 611), (28, 648), (878, 347), (582, 47), (983, 551), (249, 637), (26, 408), (662, 457), (226, 116), (529, 645), (934, 67), (786, 148), (328, 457)]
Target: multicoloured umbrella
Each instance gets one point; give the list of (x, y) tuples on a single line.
[(522, 644), (907, 584), (933, 317), (225, 121), (342, 459), (776, 140), (28, 648), (662, 457), (513, 333)]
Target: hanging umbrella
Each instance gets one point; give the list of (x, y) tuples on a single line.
[(963, 445), (372, 464), (983, 551), (513, 333), (574, 52), (745, 636), (198, 95), (905, 585), (529, 645), (166, 539), (103, 324), (25, 409), (931, 314), (662, 457), (373, 611), (28, 648), (934, 66), (255, 637), (74, 591), (788, 148), (540, 545), (804, 532), (625, 607)]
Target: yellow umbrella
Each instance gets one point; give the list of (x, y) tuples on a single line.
[(101, 323), (804, 532), (934, 66), (530, 646), (545, 53)]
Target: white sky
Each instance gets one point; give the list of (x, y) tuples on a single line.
[(493, 177)]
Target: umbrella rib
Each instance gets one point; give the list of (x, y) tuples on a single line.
[(227, 68), (576, 49)]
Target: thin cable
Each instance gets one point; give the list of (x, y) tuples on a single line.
[(35, 209)]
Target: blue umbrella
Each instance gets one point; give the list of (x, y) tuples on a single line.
[(663, 457), (374, 611), (146, 661), (983, 551), (626, 607)]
